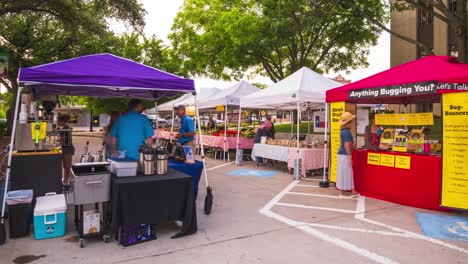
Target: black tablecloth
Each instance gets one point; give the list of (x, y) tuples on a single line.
[(154, 199)]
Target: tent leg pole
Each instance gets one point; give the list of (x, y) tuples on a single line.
[(297, 168), (291, 121), (308, 121), (225, 133), (200, 140), (325, 183), (10, 150), (238, 162), (157, 121), (172, 125)]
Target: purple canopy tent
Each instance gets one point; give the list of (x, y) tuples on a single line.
[(103, 75), (99, 75)]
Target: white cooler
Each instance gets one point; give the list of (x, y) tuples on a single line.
[(123, 168), (50, 216)]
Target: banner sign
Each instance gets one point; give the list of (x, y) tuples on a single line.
[(319, 122), (414, 119), (389, 160), (409, 89), (373, 158), (403, 162), (455, 147), (336, 110)]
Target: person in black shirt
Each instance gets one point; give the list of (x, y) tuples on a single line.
[(68, 150)]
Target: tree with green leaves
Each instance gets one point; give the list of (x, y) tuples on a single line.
[(37, 32), (225, 38)]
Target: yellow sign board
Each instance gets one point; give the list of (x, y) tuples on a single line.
[(387, 160), (336, 110), (220, 108), (373, 158), (413, 119), (455, 146), (403, 162)]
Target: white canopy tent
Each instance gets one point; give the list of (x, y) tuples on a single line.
[(302, 87), (230, 96), (189, 99), (238, 90)]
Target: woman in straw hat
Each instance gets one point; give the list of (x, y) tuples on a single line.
[(344, 175)]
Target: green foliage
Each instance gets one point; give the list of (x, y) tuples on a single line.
[(225, 38), (286, 128), (37, 32)]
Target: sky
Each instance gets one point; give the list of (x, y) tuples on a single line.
[(161, 13)]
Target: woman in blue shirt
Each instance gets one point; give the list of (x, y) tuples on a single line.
[(344, 175)]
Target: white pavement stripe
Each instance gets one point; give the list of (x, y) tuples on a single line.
[(278, 197), (307, 185), (336, 241), (360, 208), (361, 230), (316, 208), (220, 166), (320, 195)]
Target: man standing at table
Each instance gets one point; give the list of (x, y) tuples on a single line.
[(186, 135), (132, 130)]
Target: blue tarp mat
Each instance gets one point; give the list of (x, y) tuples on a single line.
[(254, 173), (444, 226)]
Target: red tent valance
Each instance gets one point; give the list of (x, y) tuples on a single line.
[(422, 80)]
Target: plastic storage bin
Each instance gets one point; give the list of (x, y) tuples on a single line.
[(50, 216), (19, 212), (123, 167)]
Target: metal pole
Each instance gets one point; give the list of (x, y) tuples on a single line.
[(10, 150), (172, 125), (308, 120), (200, 140), (291, 122), (225, 132), (325, 183), (298, 160), (238, 162), (157, 121)]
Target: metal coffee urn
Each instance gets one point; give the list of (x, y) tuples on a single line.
[(161, 161), (146, 160)]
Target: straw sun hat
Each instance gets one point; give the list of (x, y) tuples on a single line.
[(346, 118)]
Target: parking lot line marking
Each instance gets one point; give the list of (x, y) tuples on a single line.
[(320, 195), (278, 197), (316, 208), (333, 240), (361, 215), (307, 185), (220, 166), (361, 230)]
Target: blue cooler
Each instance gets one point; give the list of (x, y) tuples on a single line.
[(50, 216)]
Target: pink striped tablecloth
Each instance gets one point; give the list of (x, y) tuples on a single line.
[(311, 159), (216, 141)]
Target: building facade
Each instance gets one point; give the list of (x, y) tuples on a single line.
[(421, 25)]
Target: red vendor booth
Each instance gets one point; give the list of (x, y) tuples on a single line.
[(409, 170)]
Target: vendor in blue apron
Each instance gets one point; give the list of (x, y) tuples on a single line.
[(186, 135), (132, 130)]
